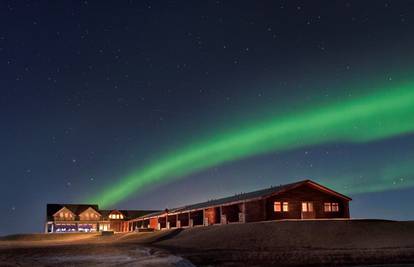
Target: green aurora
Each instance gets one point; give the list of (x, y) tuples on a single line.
[(383, 113)]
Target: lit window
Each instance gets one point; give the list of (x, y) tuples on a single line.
[(277, 207), (117, 216), (281, 206), (304, 206), (61, 215), (331, 207), (307, 207), (121, 216), (285, 206)]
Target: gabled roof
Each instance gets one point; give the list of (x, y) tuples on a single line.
[(77, 209), (97, 211), (250, 196), (63, 209)]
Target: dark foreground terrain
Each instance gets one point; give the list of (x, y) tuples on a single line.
[(287, 243)]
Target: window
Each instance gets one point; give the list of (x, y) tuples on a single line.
[(61, 215), (285, 206), (281, 206), (115, 216), (277, 207), (304, 206), (331, 207), (307, 207)]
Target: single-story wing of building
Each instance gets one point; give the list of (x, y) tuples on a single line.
[(300, 200)]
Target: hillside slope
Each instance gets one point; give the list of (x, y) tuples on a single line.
[(296, 243)]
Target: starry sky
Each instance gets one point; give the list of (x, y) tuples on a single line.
[(95, 94)]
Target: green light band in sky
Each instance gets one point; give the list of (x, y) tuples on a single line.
[(381, 114)]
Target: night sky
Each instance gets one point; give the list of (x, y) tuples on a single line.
[(96, 94)]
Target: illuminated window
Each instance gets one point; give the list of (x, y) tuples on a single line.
[(117, 216), (281, 206), (121, 216), (304, 206), (307, 207), (285, 206), (331, 207), (61, 215), (277, 207)]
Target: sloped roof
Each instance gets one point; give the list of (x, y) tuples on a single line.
[(247, 196), (75, 208)]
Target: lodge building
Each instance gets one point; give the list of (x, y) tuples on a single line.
[(64, 218), (302, 200)]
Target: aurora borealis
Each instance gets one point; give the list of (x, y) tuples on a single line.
[(157, 104), (383, 114)]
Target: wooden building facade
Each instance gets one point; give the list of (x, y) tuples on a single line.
[(303, 200), (66, 218)]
